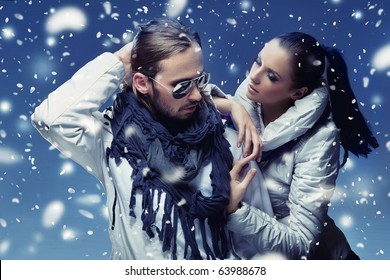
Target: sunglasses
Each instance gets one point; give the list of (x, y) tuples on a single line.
[(183, 88)]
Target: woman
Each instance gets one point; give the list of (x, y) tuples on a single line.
[(299, 96)]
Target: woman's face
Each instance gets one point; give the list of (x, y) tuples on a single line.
[(270, 76)]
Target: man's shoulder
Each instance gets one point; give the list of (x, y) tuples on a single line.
[(231, 135), (105, 123)]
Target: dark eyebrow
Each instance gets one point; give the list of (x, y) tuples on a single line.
[(270, 69)]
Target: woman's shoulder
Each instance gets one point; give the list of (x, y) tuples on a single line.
[(326, 130), (321, 138)]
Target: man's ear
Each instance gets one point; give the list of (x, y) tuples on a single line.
[(141, 83), (299, 93)]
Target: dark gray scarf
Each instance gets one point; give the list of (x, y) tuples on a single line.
[(153, 152)]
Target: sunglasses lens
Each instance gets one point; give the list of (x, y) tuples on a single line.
[(183, 88), (203, 81)]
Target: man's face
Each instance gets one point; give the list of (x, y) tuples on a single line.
[(184, 66)]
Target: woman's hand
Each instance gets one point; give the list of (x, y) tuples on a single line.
[(124, 55), (246, 131), (238, 186)]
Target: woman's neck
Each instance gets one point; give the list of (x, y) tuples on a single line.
[(271, 112)]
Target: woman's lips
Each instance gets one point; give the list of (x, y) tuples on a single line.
[(251, 89)]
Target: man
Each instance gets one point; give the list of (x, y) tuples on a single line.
[(160, 152)]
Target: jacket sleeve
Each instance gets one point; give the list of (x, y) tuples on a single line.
[(313, 182), (68, 118)]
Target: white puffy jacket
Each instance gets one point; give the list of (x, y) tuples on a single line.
[(300, 180)]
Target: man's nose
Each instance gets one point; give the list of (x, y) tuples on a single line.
[(195, 94)]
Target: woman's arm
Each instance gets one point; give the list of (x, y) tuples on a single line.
[(247, 131), (313, 183)]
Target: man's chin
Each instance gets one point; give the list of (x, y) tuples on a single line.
[(183, 123), (176, 125)]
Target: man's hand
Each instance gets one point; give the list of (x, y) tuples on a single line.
[(124, 55), (239, 186)]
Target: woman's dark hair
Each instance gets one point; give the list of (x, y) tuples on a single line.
[(308, 61)]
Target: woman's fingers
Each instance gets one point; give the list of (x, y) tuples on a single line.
[(253, 143)]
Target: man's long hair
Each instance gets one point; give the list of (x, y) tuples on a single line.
[(157, 40)]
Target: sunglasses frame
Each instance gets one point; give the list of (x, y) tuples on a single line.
[(192, 82)]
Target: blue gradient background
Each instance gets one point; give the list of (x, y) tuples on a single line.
[(35, 178)]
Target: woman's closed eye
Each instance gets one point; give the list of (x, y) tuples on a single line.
[(272, 77), (270, 74)]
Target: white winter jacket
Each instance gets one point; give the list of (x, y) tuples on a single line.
[(70, 119), (300, 180)]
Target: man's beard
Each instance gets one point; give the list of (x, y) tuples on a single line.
[(172, 124), (161, 115)]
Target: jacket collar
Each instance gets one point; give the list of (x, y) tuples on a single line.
[(298, 119)]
